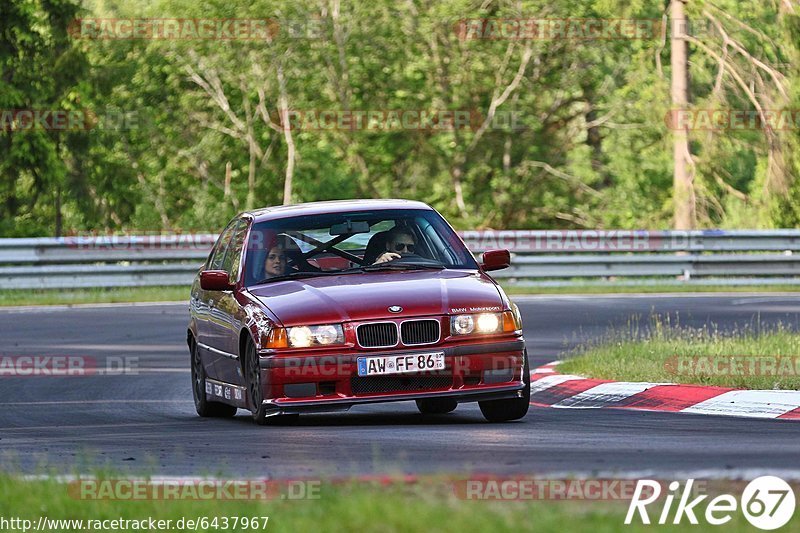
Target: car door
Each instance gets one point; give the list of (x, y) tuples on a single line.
[(229, 312), (208, 341)]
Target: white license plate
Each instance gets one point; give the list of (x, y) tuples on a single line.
[(400, 364)]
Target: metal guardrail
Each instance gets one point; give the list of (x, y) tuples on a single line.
[(539, 258)]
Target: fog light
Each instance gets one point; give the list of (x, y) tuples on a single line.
[(299, 390), (498, 376)]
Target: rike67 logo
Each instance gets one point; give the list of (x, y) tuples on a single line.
[(767, 502)]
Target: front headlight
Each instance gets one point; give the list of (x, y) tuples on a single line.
[(323, 335), (482, 323), (489, 322), (486, 323), (462, 324)]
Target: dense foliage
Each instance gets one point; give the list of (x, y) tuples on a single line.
[(564, 131)]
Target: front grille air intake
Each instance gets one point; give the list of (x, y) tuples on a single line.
[(382, 384), (377, 335), (414, 332)]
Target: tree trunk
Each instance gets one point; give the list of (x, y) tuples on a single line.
[(456, 172), (59, 216), (682, 182), (283, 102), (251, 173)]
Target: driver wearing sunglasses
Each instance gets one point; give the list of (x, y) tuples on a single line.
[(399, 243)]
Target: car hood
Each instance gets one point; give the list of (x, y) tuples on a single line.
[(368, 296)]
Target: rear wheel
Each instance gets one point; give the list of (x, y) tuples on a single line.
[(513, 408), (436, 406), (260, 412), (204, 407)]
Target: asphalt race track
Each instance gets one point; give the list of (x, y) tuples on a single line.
[(144, 422)]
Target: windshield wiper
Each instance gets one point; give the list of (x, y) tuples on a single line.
[(400, 266), (304, 274), (293, 275)]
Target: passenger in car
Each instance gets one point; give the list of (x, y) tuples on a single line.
[(400, 242), (275, 262)]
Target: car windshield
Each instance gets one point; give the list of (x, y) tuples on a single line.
[(352, 242)]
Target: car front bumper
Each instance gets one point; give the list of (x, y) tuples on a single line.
[(490, 370)]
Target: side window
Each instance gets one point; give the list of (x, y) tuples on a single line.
[(218, 255), (234, 255)]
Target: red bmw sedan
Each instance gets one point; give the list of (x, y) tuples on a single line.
[(321, 306)]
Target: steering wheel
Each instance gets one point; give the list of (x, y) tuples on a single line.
[(415, 259)]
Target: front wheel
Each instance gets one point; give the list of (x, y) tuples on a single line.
[(261, 415), (513, 408), (204, 407)]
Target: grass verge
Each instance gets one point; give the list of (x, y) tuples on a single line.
[(349, 507), (748, 358), (15, 297)]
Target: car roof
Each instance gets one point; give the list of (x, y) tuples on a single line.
[(332, 206)]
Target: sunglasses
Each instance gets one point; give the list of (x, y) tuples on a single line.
[(400, 246)]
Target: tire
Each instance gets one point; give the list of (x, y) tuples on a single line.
[(260, 413), (512, 408), (436, 406), (204, 407)]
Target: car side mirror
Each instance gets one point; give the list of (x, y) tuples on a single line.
[(496, 260), (215, 280)]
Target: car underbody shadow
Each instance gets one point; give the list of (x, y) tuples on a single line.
[(384, 415)]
